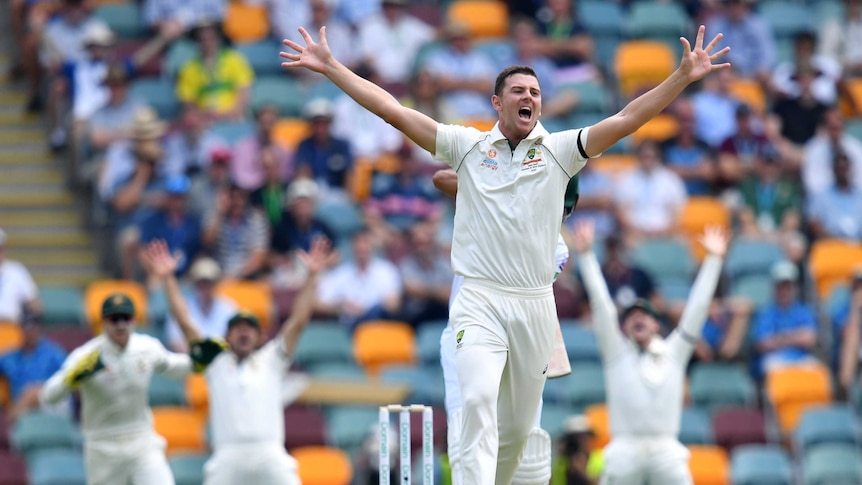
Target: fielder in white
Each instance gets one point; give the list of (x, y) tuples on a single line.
[(113, 372), (644, 373), (507, 221), (244, 382)]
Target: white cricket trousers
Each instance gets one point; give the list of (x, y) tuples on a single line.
[(254, 464), (503, 343), (137, 459), (646, 461)]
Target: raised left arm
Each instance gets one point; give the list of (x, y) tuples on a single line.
[(316, 260)]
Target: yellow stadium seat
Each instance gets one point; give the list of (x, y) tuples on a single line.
[(95, 295), (245, 22), (289, 132), (792, 390), (660, 128), (614, 164), (11, 336), (485, 19), (481, 124), (196, 394), (597, 414), (323, 465), (832, 262), (709, 465), (749, 92), (379, 343), (848, 105), (642, 64), (251, 296), (4, 393), (700, 212), (181, 427)]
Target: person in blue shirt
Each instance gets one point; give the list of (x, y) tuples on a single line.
[(322, 157), (26, 368), (786, 330), (174, 223)]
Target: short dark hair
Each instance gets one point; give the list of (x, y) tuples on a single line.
[(509, 72)]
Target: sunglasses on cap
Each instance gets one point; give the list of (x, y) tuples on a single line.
[(119, 318)]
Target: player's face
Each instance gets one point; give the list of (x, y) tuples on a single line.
[(118, 328), (640, 327), (243, 339), (519, 105)]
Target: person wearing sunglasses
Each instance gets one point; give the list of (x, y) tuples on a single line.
[(112, 371)]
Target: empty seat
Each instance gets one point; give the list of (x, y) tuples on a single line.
[(715, 385), (349, 426), (740, 426), (380, 343), (338, 371), (642, 65), (179, 52), (196, 393), (695, 427), (554, 418), (125, 19), (749, 92), (246, 22), (188, 469), (484, 18), (758, 289), (289, 132), (229, 132), (601, 18), (760, 465), (832, 262), (39, 431), (57, 467), (323, 342), (832, 464), (709, 465), (181, 427), (818, 425), (159, 94), (13, 469), (592, 97), (786, 18), (279, 91), (699, 213), (303, 426), (65, 304), (428, 341), (665, 259), (660, 128), (585, 386), (792, 390), (11, 336), (262, 56), (749, 257), (658, 21), (600, 423), (164, 391), (323, 465), (96, 293), (426, 383), (251, 296), (341, 218), (581, 344)]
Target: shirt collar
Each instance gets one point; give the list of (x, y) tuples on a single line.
[(656, 347), (538, 132)]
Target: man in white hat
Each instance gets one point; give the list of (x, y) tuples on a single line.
[(18, 291)]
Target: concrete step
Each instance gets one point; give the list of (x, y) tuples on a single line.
[(18, 136), (30, 177), (20, 119), (38, 199), (48, 237), (64, 278), (63, 218), (25, 156), (42, 257)]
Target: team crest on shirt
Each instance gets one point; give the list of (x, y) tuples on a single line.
[(492, 153), (534, 160), (458, 339)]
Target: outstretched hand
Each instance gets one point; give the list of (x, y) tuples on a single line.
[(715, 240), (158, 260), (314, 56), (585, 235), (319, 255), (698, 62)]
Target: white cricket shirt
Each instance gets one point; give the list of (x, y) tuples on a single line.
[(114, 401), (645, 389), (245, 398), (509, 207)]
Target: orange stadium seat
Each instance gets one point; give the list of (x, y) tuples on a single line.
[(849, 105), (700, 212), (4, 393), (11, 336), (323, 465), (614, 164), (642, 64), (792, 390), (660, 128), (96, 292), (196, 394), (749, 92), (251, 296), (382, 342), (245, 22), (289, 132), (597, 414), (485, 19), (181, 427), (481, 124), (832, 262), (709, 465)]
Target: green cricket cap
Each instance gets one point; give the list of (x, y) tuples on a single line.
[(118, 304)]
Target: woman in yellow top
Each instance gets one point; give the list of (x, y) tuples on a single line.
[(218, 79)]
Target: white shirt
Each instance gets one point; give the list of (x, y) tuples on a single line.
[(115, 399), (392, 48), (347, 283), (16, 288), (245, 399), (645, 389), (652, 200), (817, 174), (509, 207), (824, 87), (210, 324), (90, 94), (369, 136)]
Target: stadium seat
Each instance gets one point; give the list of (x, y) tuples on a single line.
[(592, 97), (322, 343), (738, 426), (581, 344), (660, 128), (792, 390), (37, 431), (554, 418), (11, 336), (484, 18), (323, 465), (642, 64), (65, 305), (164, 391), (695, 427), (748, 257), (826, 10), (481, 124), (832, 464), (760, 465), (262, 56), (181, 427), (229, 132), (582, 388), (499, 51), (179, 52), (338, 371), (250, 296), (426, 383), (341, 218), (709, 465), (665, 259), (324, 89), (615, 165), (96, 293), (381, 342), (699, 213), (125, 19), (13, 469), (428, 341), (289, 132), (246, 22), (786, 18), (714, 385), (827, 424), (832, 261), (602, 19), (349, 426), (749, 92), (57, 467), (188, 469), (658, 21), (597, 414), (303, 426), (282, 92), (758, 289), (197, 394), (159, 94)]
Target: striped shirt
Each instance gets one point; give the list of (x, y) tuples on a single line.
[(237, 240)]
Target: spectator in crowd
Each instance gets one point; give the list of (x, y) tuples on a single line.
[(270, 196), (726, 328), (339, 34), (738, 153), (362, 289), (207, 184), (237, 234), (650, 199), (174, 224), (785, 331), (838, 38), (577, 464), (754, 51), (626, 281), (596, 202), (208, 309), (30, 365), (247, 169), (188, 13), (323, 157), (565, 41), (837, 211), (287, 16), (185, 145), (218, 79), (817, 173), (356, 12), (390, 40), (18, 291), (687, 155), (826, 72), (846, 335), (463, 74), (425, 96), (427, 277), (800, 111), (715, 109)]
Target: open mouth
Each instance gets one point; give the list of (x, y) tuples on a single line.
[(525, 113)]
